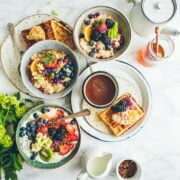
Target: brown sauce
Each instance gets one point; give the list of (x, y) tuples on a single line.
[(100, 90), (161, 52)]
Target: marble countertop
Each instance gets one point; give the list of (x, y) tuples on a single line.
[(157, 146)]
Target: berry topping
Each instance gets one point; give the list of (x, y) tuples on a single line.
[(109, 23), (102, 28), (70, 129), (90, 16), (65, 148), (72, 137), (95, 36), (42, 129)]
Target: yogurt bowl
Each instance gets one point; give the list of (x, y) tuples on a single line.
[(102, 33), (49, 69)]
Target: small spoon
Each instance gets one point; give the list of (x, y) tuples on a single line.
[(11, 30), (84, 112), (157, 31)]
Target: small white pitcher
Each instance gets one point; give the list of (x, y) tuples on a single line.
[(96, 164)]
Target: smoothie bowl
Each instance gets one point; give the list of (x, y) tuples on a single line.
[(102, 33), (44, 143), (49, 69)]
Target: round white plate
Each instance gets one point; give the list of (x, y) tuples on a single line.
[(8, 57), (129, 80)]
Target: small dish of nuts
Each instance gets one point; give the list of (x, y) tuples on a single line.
[(128, 169)]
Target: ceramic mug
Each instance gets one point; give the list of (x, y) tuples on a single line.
[(96, 164)]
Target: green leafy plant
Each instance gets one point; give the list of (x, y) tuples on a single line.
[(12, 109)]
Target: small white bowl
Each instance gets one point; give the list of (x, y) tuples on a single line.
[(36, 48), (135, 177), (118, 16)]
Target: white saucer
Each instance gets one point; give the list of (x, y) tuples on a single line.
[(129, 80)]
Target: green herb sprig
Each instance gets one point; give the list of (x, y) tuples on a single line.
[(49, 58)]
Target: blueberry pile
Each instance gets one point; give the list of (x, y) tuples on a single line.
[(57, 134), (66, 71), (30, 129), (120, 107)]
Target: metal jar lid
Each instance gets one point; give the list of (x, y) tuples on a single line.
[(159, 11)]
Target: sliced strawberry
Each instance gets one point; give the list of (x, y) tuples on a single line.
[(60, 113), (62, 123), (102, 28), (70, 129), (65, 60), (42, 129), (51, 65), (65, 148), (72, 137)]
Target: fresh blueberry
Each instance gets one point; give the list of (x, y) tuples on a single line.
[(90, 16), (45, 121), (21, 134), (67, 65), (43, 110), (72, 75), (96, 36), (68, 74), (53, 70), (35, 115), (73, 121), (81, 35), (91, 43), (62, 77), (71, 68), (33, 157), (67, 57), (87, 22), (91, 54), (22, 129)]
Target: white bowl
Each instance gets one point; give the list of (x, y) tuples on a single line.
[(36, 48), (116, 15), (135, 177)]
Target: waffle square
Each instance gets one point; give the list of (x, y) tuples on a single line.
[(53, 30), (131, 115)]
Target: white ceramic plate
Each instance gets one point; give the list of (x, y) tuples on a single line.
[(129, 80), (7, 54)]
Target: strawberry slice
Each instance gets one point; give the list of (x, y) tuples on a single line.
[(42, 129), (102, 28), (72, 137), (70, 129), (65, 148), (51, 65), (60, 113)]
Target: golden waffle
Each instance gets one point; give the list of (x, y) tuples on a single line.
[(133, 116), (51, 29)]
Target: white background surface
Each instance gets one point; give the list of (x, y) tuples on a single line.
[(157, 146)]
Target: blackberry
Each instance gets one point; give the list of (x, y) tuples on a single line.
[(106, 40), (58, 137), (91, 43), (109, 23), (21, 134), (118, 108), (61, 130), (123, 102), (96, 36), (52, 131)]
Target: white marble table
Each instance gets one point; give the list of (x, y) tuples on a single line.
[(157, 146)]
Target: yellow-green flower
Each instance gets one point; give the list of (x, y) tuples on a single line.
[(6, 141), (20, 111), (2, 131)]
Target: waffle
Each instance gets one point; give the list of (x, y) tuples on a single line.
[(132, 116), (51, 29)]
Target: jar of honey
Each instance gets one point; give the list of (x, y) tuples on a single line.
[(149, 55)]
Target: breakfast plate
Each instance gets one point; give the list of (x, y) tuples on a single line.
[(130, 80), (8, 56), (44, 143)]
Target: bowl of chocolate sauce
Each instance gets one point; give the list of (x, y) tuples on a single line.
[(100, 89)]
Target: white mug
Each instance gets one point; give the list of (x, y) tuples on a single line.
[(96, 164)]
